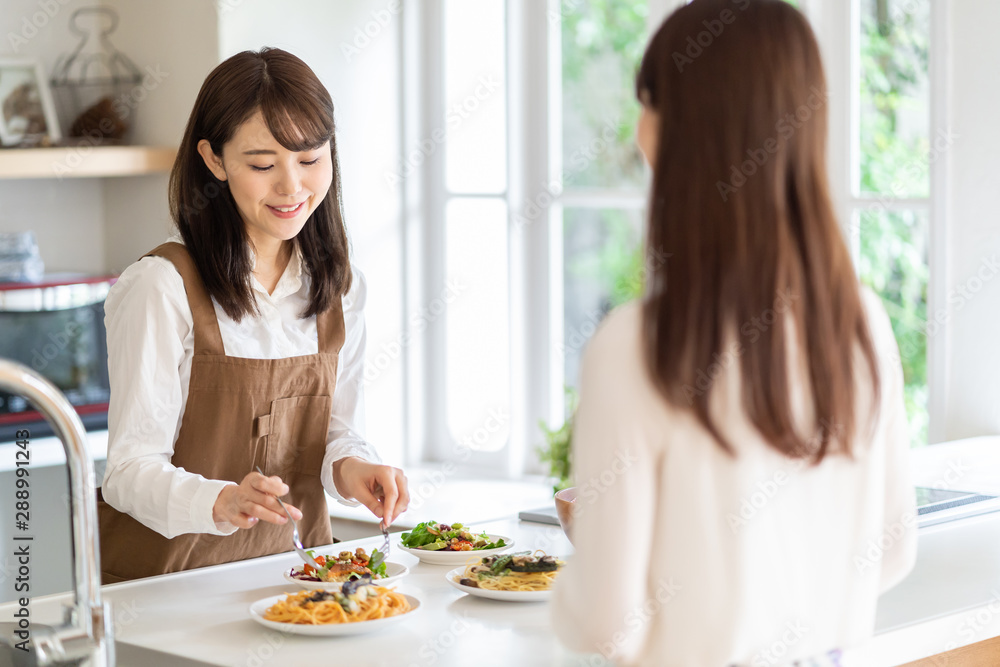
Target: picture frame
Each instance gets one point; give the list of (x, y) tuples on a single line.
[(27, 112)]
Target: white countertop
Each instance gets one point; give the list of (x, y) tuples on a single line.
[(201, 616), (434, 495), (48, 451), (951, 599)]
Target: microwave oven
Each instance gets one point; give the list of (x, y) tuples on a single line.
[(56, 327)]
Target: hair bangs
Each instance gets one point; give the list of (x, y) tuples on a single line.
[(296, 106), (298, 125)]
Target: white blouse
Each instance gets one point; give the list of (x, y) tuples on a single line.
[(150, 345), (686, 556)]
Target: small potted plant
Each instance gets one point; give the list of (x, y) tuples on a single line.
[(557, 452), (558, 446)]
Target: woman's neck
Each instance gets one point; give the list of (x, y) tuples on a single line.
[(271, 261)]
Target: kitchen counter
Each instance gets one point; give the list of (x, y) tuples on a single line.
[(48, 451), (951, 599), (434, 494), (200, 617)]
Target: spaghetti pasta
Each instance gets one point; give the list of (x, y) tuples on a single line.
[(367, 603), (518, 572)]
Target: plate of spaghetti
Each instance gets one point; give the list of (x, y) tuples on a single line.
[(357, 608), (518, 577), (345, 566)]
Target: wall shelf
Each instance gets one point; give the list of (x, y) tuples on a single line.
[(85, 161)]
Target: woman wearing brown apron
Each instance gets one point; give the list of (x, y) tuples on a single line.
[(240, 342)]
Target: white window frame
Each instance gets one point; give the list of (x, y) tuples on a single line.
[(536, 327), (576, 197), (535, 249), (425, 195), (838, 30)]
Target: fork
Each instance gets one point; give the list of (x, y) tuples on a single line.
[(380, 554), (296, 542)]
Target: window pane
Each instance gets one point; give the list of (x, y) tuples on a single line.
[(475, 95), (602, 268), (893, 262), (602, 44), (477, 330), (895, 98)]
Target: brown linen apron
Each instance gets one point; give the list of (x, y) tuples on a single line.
[(240, 413)]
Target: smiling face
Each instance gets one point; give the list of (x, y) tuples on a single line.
[(275, 189)]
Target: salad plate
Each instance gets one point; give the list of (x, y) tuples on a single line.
[(258, 608), (507, 596), (457, 557), (450, 544), (393, 573)]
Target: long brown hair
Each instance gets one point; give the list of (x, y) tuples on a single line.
[(740, 202), (298, 111)]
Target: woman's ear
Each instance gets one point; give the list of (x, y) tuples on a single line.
[(647, 134), (212, 161)]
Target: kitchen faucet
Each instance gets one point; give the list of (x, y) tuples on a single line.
[(86, 635)]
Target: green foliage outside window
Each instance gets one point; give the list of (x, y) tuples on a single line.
[(602, 44), (894, 164)]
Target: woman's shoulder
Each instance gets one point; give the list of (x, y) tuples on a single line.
[(614, 352), (879, 325), (354, 300), (149, 282), (620, 327)]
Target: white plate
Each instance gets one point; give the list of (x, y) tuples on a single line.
[(507, 596), (258, 608), (458, 557), (394, 572)]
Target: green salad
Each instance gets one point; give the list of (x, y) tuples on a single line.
[(346, 566), (434, 536)]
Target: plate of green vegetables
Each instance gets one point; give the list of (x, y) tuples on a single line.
[(450, 544)]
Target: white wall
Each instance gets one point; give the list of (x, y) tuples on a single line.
[(364, 85), (98, 225), (65, 215), (973, 396), (176, 45)]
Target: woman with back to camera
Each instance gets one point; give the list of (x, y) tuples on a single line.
[(754, 394), (240, 342)]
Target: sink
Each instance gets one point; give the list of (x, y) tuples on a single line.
[(11, 657), (86, 634), (127, 655)]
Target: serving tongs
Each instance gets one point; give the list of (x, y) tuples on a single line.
[(296, 542)]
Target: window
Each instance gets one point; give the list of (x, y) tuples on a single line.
[(457, 232), (477, 376), (523, 234), (599, 215), (888, 203), (891, 179)]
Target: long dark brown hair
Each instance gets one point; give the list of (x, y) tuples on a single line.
[(740, 204), (298, 111)]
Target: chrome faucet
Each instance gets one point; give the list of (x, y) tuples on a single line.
[(86, 635)]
